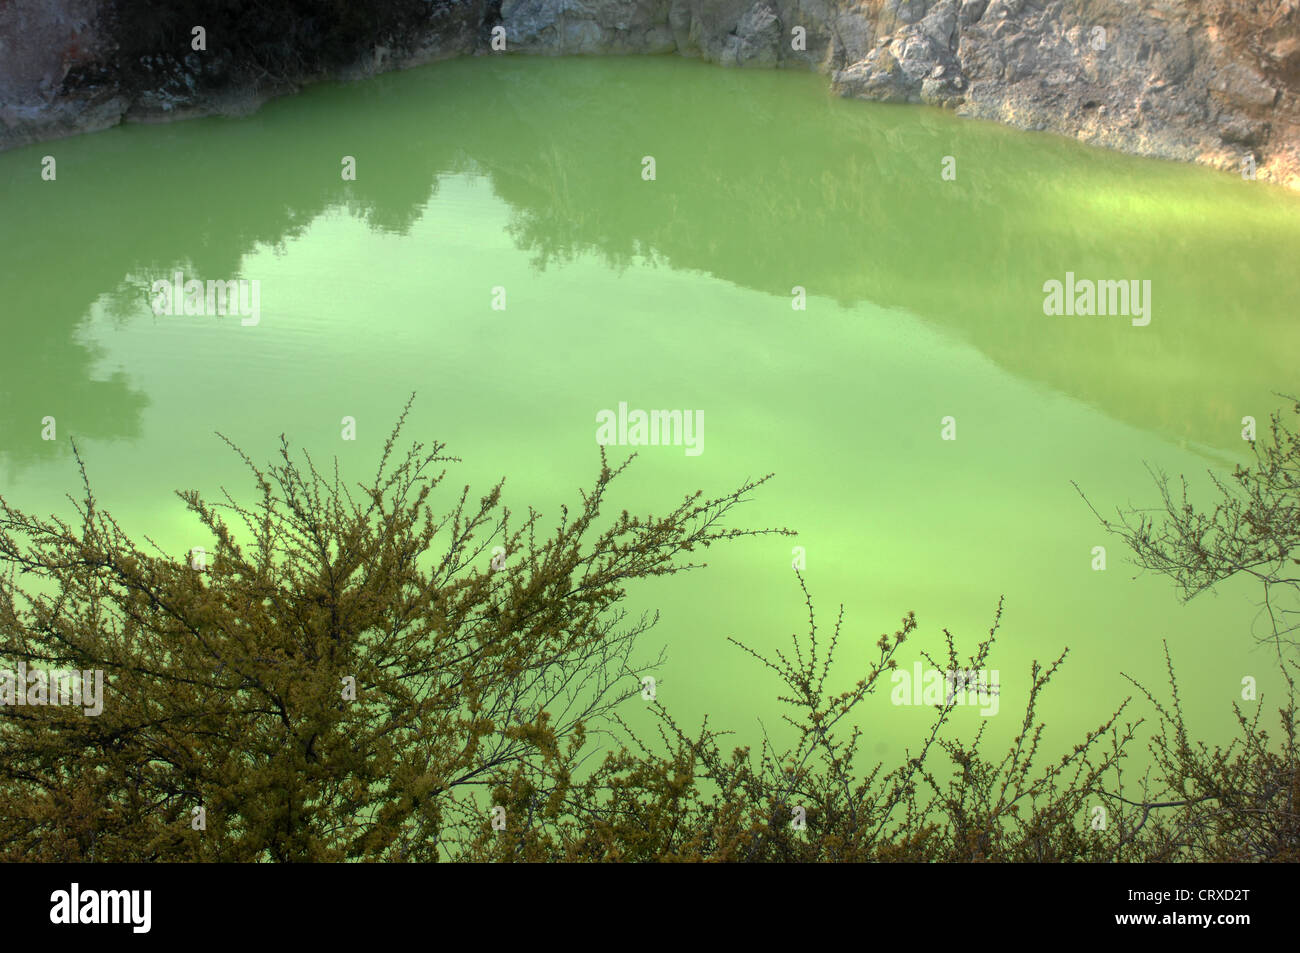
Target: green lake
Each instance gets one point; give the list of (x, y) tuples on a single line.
[(924, 300)]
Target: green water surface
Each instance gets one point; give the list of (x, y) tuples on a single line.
[(924, 300)]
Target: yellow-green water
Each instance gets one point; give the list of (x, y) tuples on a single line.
[(924, 300)]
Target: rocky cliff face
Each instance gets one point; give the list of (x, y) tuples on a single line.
[(1210, 81)]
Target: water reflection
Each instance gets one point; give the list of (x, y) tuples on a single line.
[(763, 180)]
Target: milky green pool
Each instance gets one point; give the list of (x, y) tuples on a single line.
[(924, 300)]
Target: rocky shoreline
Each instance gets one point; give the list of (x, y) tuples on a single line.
[(1215, 82)]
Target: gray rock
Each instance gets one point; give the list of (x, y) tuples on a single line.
[(1242, 131), (759, 37), (908, 11), (940, 24), (971, 11), (879, 76), (1241, 85)]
